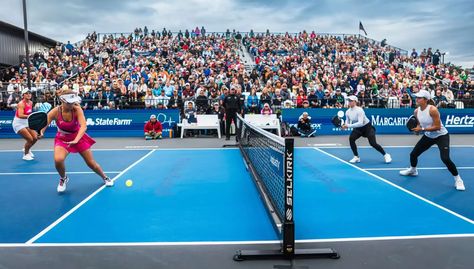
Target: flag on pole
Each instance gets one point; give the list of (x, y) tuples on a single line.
[(361, 28)]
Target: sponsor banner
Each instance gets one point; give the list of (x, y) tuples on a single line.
[(386, 121), (107, 123)]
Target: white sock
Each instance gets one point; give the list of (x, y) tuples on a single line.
[(412, 168), (458, 177)]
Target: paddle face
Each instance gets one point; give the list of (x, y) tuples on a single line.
[(412, 122), (336, 121), (37, 121)]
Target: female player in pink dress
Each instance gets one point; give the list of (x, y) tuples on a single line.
[(20, 124), (72, 138)]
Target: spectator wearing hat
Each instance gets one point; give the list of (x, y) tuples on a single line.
[(326, 101), (266, 110), (313, 98), (153, 128), (219, 111), (304, 125)]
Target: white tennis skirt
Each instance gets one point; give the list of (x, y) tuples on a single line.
[(19, 124)]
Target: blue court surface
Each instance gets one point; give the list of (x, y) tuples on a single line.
[(206, 195)]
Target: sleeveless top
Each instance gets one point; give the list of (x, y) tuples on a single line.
[(27, 110), (67, 126), (426, 121)]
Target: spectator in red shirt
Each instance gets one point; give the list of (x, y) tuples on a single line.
[(153, 128)]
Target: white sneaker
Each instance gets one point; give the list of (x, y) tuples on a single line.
[(388, 158), (459, 184), (108, 182), (28, 157), (355, 160), (62, 184), (31, 153), (409, 172)]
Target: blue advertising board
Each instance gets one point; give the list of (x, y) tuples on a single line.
[(386, 121), (107, 123)]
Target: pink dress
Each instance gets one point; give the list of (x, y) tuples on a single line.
[(67, 131)]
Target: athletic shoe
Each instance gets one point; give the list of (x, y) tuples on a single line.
[(62, 184), (355, 160), (459, 184), (108, 182), (148, 137), (27, 157), (31, 153), (409, 172), (388, 158)]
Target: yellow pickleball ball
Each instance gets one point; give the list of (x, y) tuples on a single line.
[(129, 183)]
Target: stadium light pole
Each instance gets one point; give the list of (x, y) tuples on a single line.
[(27, 49)]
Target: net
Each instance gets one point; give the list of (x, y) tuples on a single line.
[(269, 158)]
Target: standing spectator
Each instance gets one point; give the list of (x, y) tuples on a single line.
[(232, 107)]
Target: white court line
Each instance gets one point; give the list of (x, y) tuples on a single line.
[(219, 243), (54, 173), (419, 168), (52, 225), (141, 147), (400, 188), (412, 146)]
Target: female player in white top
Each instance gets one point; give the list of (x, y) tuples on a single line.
[(434, 133), (355, 118)]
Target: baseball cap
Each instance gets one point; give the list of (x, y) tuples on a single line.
[(352, 98), (25, 90), (423, 94), (152, 116)]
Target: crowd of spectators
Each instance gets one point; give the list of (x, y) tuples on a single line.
[(164, 69)]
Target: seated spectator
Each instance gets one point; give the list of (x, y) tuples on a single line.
[(87, 101), (439, 100), (162, 100), (326, 101), (313, 98), (266, 110), (304, 125), (405, 100), (190, 112), (202, 103), (306, 104), (150, 100), (364, 100), (253, 102), (153, 129), (100, 102), (300, 98), (175, 101)]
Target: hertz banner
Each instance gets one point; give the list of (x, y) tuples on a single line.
[(106, 123), (386, 121)]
